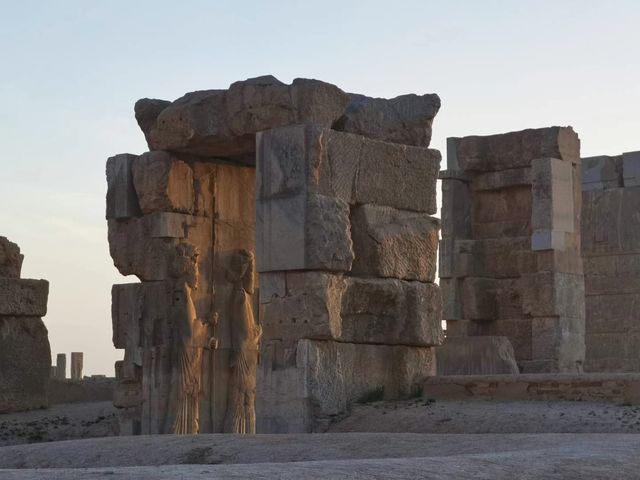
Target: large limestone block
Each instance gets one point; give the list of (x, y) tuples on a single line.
[(163, 183), (301, 388), (616, 313), (479, 299), (516, 149), (514, 177), (557, 345), (319, 305), (23, 297), (507, 257), (601, 172), (122, 200), (25, 362), (392, 312), (305, 232), (456, 208), (223, 123), (553, 211), (548, 294), (10, 259), (147, 111), (308, 305), (398, 176), (610, 223), (393, 243), (502, 213), (406, 119), (476, 356), (356, 170)]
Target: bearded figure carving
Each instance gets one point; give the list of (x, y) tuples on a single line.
[(245, 340)]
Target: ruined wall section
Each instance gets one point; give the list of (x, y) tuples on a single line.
[(510, 251), (611, 256), (25, 355), (347, 259)]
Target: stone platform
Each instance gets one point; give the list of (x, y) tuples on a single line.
[(607, 387)]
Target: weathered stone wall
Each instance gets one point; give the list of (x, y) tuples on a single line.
[(347, 258), (510, 251), (345, 249), (25, 356), (611, 255)]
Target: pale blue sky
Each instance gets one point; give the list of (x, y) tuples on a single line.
[(72, 70)]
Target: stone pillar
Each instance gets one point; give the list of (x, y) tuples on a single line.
[(25, 356), (346, 253), (61, 366), (510, 251), (611, 255), (76, 365)]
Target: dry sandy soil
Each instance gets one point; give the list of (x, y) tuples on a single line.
[(450, 440)]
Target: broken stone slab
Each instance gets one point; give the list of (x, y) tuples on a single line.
[(515, 149), (223, 123), (23, 297), (163, 183), (305, 232), (25, 363), (306, 158), (481, 355), (330, 306), (10, 259), (147, 111), (303, 386), (394, 243), (122, 200), (406, 119)]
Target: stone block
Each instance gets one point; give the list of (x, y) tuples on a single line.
[(169, 224), (456, 209), (476, 356), (601, 172), (513, 177), (305, 232), (553, 212), (610, 223), (223, 123), (272, 285), (328, 306), (10, 259), (122, 200), (61, 366), (560, 341), (391, 312), (549, 294), (631, 169), (516, 149), (398, 176), (23, 297), (451, 290), (319, 379), (393, 243), (508, 257), (501, 213), (479, 299), (615, 313), (446, 258), (147, 111), (310, 308), (406, 119), (25, 361), (452, 154), (163, 183)]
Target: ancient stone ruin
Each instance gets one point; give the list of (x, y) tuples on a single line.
[(283, 239), (25, 356), (610, 251), (510, 263)]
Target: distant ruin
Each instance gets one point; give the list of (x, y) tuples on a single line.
[(25, 356), (285, 225)]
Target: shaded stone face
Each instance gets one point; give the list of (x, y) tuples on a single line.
[(510, 254)]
